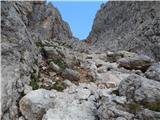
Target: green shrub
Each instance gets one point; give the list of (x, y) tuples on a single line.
[(60, 63), (59, 86), (34, 81), (134, 107), (153, 106), (116, 92), (39, 44)]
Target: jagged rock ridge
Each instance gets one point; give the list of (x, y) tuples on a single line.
[(127, 25)]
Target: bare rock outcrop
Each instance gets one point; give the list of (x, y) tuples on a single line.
[(127, 25), (47, 74), (153, 72), (23, 25), (139, 89)]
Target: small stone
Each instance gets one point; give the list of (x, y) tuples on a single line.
[(121, 118), (44, 68), (21, 118), (68, 83), (111, 85), (52, 74), (54, 67), (104, 92)]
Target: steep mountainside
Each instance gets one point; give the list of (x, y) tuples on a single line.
[(132, 26), (48, 74), (23, 25)]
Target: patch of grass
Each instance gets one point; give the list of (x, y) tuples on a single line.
[(34, 81), (116, 92), (134, 107), (59, 86), (153, 106)]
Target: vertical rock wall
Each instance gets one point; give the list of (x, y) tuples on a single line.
[(127, 25), (23, 24)]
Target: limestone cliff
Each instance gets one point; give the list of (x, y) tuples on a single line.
[(127, 25), (23, 25), (48, 74)]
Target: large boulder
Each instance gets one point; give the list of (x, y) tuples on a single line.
[(139, 89), (71, 110), (54, 67), (115, 56), (153, 72), (146, 114), (51, 52), (72, 104), (140, 62), (36, 103), (111, 108)]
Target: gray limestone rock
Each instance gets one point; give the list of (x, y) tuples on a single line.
[(55, 67), (36, 103), (127, 25), (23, 25), (137, 63), (71, 74), (139, 89), (109, 109), (146, 114), (153, 72)]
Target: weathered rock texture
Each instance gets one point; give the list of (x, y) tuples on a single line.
[(140, 89), (133, 26), (48, 74), (23, 25)]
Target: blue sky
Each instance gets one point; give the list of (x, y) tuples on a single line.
[(79, 15)]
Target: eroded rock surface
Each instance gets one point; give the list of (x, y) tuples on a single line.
[(139, 89), (127, 25), (153, 72), (48, 74)]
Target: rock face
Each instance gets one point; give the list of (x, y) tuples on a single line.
[(47, 74), (126, 25), (153, 72), (47, 22), (23, 25)]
